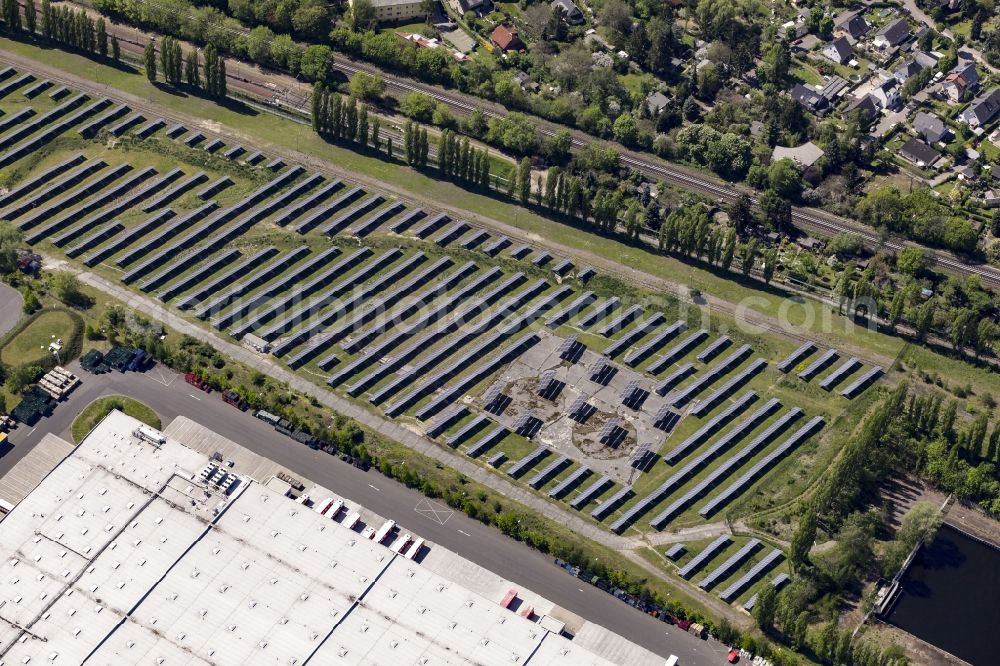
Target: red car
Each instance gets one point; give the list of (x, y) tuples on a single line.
[(734, 656)]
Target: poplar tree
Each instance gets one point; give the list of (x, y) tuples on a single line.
[(191, 73), (149, 60), (102, 34)]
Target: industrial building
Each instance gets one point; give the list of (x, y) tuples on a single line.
[(140, 548)]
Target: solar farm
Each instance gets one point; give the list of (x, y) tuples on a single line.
[(624, 413)]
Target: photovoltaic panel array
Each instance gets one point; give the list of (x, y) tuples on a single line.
[(702, 558), (762, 465), (572, 480), (796, 357), (751, 576), (862, 382), (733, 561)]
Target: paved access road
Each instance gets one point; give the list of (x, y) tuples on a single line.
[(168, 394), (10, 308)]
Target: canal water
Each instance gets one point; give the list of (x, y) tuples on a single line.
[(951, 597)]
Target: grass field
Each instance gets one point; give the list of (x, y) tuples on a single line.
[(31, 344), (97, 410)]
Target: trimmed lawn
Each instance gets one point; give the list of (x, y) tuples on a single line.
[(97, 410), (31, 344)]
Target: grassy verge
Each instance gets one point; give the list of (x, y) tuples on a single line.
[(101, 407)]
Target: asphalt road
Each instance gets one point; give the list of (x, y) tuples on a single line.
[(10, 307), (168, 394)]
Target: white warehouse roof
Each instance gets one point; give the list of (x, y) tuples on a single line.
[(124, 554)]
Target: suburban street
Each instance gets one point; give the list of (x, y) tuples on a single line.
[(10, 307), (168, 394)]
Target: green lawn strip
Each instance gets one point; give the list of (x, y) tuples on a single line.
[(30, 345), (97, 410)]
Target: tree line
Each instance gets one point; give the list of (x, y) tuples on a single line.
[(73, 28), (175, 67)]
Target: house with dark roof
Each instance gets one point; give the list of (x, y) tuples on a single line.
[(656, 103), (983, 109), (853, 27), (930, 127), (919, 153), (838, 51), (960, 81), (892, 34), (809, 98), (866, 106), (570, 12), (505, 38), (907, 70)]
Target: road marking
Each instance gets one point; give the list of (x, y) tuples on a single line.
[(195, 397), (580, 588), (465, 533), (439, 513), (374, 488), (31, 431)]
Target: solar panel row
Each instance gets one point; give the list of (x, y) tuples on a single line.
[(497, 433), (574, 478), (123, 204), (828, 357), (733, 561), (189, 280), (101, 180), (600, 311), (43, 137), (522, 465), (95, 238), (703, 381), (220, 281), (446, 420), (677, 351), (407, 220), (641, 330), (571, 310), (710, 427), (477, 423), (313, 219), (755, 572), (591, 492), (862, 382), (282, 284), (128, 237), (619, 322), (732, 384), (431, 225), (601, 511), (307, 203), (339, 223), (550, 470), (731, 437), (48, 177), (94, 126), (796, 357), (838, 375), (717, 347), (675, 378), (637, 356), (255, 279), (703, 557), (375, 220), (741, 484), (778, 582)]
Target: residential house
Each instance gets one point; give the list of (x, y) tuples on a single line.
[(526, 83), (960, 81), (809, 98), (886, 94), (505, 38), (931, 127), (396, 11), (853, 27), (866, 106), (570, 12), (983, 109), (838, 51), (907, 70), (805, 155), (429, 43), (919, 153), (926, 59), (892, 34), (656, 103), (818, 99)]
